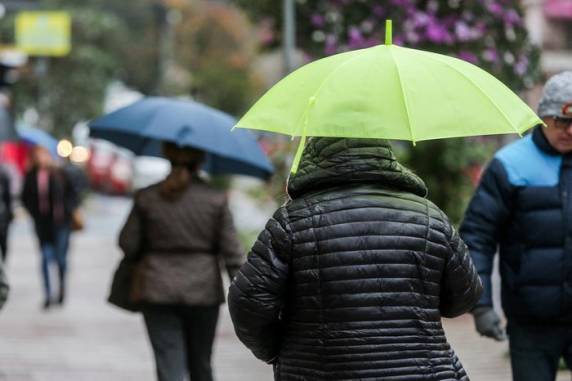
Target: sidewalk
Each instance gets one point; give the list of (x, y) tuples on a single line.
[(89, 340)]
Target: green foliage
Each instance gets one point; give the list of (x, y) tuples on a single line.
[(449, 168), (217, 45), (119, 40), (489, 33), (227, 88), (71, 88), (137, 46)]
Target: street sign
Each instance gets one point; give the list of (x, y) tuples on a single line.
[(44, 33)]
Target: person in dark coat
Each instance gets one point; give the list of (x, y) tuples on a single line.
[(6, 211), (50, 199), (351, 277), (180, 231), (523, 206)]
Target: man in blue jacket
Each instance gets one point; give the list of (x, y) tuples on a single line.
[(523, 207)]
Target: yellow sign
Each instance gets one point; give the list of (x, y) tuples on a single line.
[(44, 33)]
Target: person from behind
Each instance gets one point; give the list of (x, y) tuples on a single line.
[(351, 277), (178, 233), (50, 199), (523, 206)]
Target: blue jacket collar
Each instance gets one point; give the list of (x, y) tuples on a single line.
[(541, 142)]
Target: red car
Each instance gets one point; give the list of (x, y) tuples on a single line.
[(109, 168)]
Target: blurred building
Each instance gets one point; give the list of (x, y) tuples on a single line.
[(550, 27)]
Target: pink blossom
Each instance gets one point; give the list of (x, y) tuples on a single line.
[(512, 17), (378, 10), (420, 19), (412, 37), (355, 35), (463, 31), (521, 67), (491, 55), (495, 8), (318, 21), (371, 42), (468, 56), (331, 45), (437, 33)]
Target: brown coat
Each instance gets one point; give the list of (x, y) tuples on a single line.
[(179, 245)]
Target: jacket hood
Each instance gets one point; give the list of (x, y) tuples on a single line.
[(333, 162)]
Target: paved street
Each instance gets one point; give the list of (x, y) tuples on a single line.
[(90, 340)]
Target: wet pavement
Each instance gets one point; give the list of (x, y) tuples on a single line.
[(89, 340)]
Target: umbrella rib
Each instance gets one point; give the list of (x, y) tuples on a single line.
[(409, 124), (314, 97), (480, 90)]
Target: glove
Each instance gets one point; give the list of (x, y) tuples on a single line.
[(488, 323)]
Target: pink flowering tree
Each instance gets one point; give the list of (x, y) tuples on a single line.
[(488, 33)]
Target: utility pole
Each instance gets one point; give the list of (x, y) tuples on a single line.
[(19, 5), (289, 34), (167, 19), (162, 28)]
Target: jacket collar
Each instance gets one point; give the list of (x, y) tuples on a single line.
[(334, 162), (541, 142)]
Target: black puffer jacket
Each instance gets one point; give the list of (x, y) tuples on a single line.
[(350, 278)]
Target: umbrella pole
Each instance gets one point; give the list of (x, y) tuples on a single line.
[(299, 152)]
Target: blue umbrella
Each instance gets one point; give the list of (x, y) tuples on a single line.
[(144, 125), (37, 137)]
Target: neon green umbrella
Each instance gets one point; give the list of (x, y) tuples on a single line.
[(389, 92)]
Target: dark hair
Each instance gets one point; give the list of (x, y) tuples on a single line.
[(185, 162)]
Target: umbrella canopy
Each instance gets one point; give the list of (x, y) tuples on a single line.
[(38, 137), (390, 92), (144, 125)]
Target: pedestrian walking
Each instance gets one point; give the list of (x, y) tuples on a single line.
[(51, 200), (523, 207), (6, 211), (177, 235), (351, 276)]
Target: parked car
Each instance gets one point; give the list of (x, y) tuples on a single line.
[(109, 168)]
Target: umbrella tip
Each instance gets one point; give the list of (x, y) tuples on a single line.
[(388, 32)]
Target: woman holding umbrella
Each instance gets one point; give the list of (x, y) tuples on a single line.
[(180, 229), (351, 277), (177, 233)]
